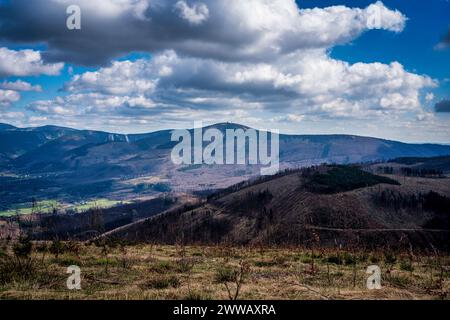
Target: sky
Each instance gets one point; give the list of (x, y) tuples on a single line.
[(369, 68)]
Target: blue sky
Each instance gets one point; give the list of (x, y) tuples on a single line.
[(414, 47), (118, 74)]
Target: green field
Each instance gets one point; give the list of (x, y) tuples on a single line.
[(98, 203), (47, 206)]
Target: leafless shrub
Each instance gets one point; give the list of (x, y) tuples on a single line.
[(233, 278), (20, 265)]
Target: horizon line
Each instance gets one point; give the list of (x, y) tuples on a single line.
[(232, 123)]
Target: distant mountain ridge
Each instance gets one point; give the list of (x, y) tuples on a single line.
[(127, 164), (12, 142)]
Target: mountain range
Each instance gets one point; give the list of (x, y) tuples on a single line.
[(65, 163)]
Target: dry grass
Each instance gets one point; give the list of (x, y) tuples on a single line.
[(197, 272)]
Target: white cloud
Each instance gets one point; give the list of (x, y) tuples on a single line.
[(11, 116), (294, 118), (37, 119), (223, 58), (195, 14), (425, 116), (380, 17), (20, 85), (25, 63), (7, 97), (80, 104), (123, 77), (9, 91), (220, 29), (312, 83)]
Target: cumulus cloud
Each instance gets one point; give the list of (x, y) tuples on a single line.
[(429, 96), (294, 118), (195, 14), (92, 104), (209, 57), (231, 30), (25, 63), (7, 97), (9, 91), (123, 77), (20, 85), (442, 106), (300, 84), (12, 116)]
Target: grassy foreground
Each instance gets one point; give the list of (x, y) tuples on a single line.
[(198, 272)]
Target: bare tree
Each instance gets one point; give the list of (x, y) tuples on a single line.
[(234, 279)]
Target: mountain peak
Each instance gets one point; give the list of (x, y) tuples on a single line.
[(227, 125), (52, 128)]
